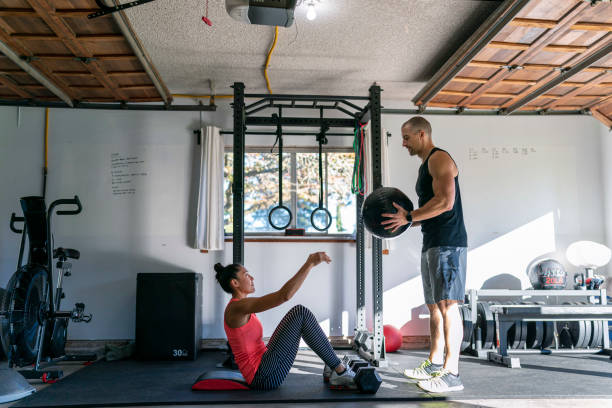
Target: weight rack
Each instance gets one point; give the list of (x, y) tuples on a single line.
[(507, 315), (370, 345)]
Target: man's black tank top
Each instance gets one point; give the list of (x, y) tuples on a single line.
[(446, 229)]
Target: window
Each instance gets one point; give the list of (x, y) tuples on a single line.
[(300, 189)]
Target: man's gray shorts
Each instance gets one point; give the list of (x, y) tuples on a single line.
[(443, 273)]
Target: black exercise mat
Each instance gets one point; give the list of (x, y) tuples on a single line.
[(125, 383)]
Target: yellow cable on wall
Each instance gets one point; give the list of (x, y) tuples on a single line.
[(268, 58), (46, 139)]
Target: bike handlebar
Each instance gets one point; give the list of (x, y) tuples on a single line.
[(15, 219), (67, 201)]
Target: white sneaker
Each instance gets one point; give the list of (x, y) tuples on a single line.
[(327, 372), (442, 381), (423, 372), (346, 380)]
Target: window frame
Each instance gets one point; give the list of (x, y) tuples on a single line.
[(308, 235)]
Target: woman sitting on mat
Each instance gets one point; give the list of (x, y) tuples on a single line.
[(265, 368)]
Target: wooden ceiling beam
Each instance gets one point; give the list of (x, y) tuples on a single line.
[(7, 83), (86, 74), (17, 12), (16, 52), (454, 93), (100, 57), (28, 12), (574, 93), (126, 73), (82, 37), (442, 105), (13, 72), (601, 117), (70, 40), (478, 41), (580, 26), (600, 104), (87, 86), (32, 86), (470, 80), (525, 47), (533, 22), (600, 50), (484, 80), (134, 87), (548, 37), (588, 26), (518, 82), (554, 74), (498, 95)]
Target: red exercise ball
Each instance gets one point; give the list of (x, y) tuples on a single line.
[(393, 338)]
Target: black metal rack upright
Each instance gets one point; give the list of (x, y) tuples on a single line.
[(370, 345)]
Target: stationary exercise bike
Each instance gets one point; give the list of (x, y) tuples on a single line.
[(33, 330)]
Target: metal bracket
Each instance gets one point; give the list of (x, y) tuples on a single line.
[(459, 110), (511, 68), (85, 60), (104, 9), (421, 108), (28, 58)]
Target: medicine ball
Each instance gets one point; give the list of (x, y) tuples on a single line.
[(548, 274), (393, 338), (379, 202)]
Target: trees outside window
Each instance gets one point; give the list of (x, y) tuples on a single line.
[(300, 189)]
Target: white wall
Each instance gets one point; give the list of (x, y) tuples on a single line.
[(606, 174), (516, 207)]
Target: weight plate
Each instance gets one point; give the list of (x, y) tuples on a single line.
[(513, 338), (517, 335), (577, 331), (588, 329), (549, 334), (535, 332), (486, 324), (467, 327), (596, 339)]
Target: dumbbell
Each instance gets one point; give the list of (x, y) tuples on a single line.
[(366, 378)]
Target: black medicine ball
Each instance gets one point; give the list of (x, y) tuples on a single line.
[(548, 274), (381, 201)]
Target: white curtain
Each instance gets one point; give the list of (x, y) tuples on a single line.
[(385, 173), (209, 228)]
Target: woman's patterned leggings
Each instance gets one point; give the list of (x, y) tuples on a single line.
[(276, 362)]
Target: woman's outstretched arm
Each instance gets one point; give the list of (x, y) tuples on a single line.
[(259, 304)]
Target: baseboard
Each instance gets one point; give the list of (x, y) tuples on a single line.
[(340, 342)]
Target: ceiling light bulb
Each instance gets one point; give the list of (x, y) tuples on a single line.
[(311, 14)]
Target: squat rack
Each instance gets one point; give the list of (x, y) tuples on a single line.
[(370, 345)]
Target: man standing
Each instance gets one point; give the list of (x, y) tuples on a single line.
[(443, 257)]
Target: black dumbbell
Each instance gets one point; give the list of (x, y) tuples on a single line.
[(366, 377), (368, 380)]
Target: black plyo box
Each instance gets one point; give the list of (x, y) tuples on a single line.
[(168, 316)]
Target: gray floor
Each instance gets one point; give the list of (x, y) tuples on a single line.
[(574, 380)]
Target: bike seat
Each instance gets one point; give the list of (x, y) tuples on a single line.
[(66, 253)]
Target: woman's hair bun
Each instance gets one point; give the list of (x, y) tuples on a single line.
[(219, 268)]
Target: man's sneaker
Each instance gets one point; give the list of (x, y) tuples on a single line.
[(442, 381), (346, 380), (423, 372)]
